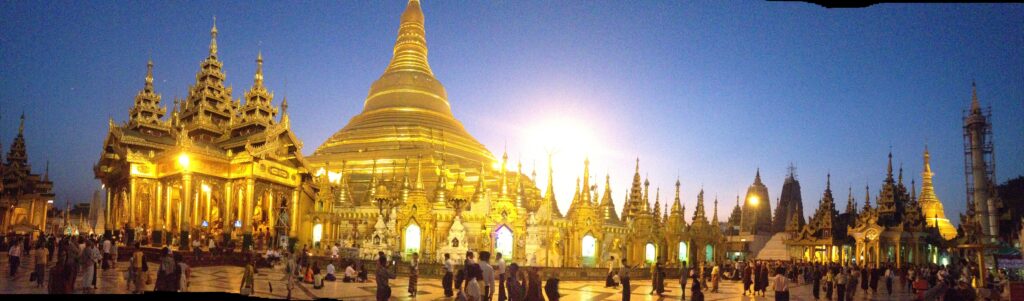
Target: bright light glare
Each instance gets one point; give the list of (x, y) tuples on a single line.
[(569, 140), (754, 200), (183, 160)]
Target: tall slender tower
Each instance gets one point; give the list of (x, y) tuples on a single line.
[(979, 165)]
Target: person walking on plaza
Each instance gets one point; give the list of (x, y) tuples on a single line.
[(829, 278), (609, 279), (164, 281), (516, 287), (875, 273), (414, 273), (748, 279), (137, 270), (472, 290), (106, 253), (248, 280), (840, 283), (551, 287), (183, 273), (889, 274), (816, 281), (865, 279), (716, 276), (851, 286), (695, 289), (761, 282), (533, 285), (446, 280), (90, 262), (500, 262), (781, 285), (684, 274), (487, 275), (624, 279), (657, 283), (14, 257), (40, 257), (383, 275)]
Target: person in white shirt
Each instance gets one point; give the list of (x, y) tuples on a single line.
[(106, 253), (330, 272), (487, 275), (335, 250), (781, 286), (14, 256), (502, 295), (211, 245), (350, 274), (447, 281), (472, 290)]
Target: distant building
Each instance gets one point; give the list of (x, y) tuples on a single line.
[(24, 196)]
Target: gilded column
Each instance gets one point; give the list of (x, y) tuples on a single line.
[(295, 213), (186, 179), (250, 187), (106, 217), (898, 259), (154, 210), (133, 200), (167, 209), (228, 220)]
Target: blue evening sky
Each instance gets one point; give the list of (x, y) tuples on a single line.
[(706, 90)]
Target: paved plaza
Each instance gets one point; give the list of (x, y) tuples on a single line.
[(228, 279)]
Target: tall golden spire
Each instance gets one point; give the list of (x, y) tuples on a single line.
[(975, 105), (931, 207), (257, 80), (408, 74), (213, 38)]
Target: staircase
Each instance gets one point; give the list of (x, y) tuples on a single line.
[(775, 248)]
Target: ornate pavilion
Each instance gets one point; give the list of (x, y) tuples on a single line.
[(403, 176), (215, 166), (24, 196)]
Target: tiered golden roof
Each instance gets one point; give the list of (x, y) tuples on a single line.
[(406, 113), (930, 204)]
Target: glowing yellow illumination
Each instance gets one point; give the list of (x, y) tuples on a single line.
[(183, 160), (205, 188), (412, 238), (334, 177), (754, 200), (318, 232), (319, 172), (650, 253)]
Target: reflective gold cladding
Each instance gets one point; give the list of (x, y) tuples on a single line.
[(406, 113), (931, 207)]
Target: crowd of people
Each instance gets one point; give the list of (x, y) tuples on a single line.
[(67, 264)]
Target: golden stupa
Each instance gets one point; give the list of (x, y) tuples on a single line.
[(931, 207), (406, 116)]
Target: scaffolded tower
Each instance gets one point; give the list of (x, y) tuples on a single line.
[(980, 165)]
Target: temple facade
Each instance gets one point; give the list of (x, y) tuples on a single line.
[(405, 176), (402, 176), (212, 165), (25, 196)]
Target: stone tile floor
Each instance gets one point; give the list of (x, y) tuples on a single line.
[(228, 279)]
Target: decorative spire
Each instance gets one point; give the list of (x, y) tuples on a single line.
[(851, 204), (676, 206), (714, 214), (867, 198), (410, 53), (757, 176), (504, 162), (21, 124), (258, 78), (46, 176), (549, 195), (888, 170), (213, 38), (149, 77), (586, 181)]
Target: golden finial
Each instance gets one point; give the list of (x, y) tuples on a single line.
[(258, 78), (21, 126), (149, 76), (213, 38)]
